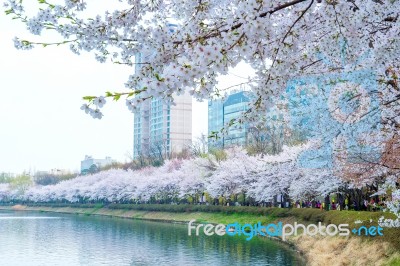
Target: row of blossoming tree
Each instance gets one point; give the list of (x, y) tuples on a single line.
[(260, 178)]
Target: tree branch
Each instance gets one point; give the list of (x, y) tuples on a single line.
[(237, 26)]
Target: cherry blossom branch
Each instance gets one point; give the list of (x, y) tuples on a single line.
[(237, 26)]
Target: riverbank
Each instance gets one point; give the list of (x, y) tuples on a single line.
[(317, 250)]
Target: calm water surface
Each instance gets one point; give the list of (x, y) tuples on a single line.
[(33, 238)]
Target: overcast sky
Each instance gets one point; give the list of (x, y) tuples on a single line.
[(41, 124)]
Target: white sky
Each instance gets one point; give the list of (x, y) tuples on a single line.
[(41, 124)]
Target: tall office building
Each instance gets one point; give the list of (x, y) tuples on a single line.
[(221, 111), (162, 129)]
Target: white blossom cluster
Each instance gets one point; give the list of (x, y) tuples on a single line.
[(95, 113), (210, 37), (394, 205)]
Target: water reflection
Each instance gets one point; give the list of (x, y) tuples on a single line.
[(46, 239)]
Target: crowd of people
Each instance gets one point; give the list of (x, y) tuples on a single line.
[(377, 204)]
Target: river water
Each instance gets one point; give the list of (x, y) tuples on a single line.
[(34, 238)]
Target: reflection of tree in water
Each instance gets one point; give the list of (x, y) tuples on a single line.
[(220, 250)]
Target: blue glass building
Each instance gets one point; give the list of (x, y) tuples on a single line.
[(221, 112)]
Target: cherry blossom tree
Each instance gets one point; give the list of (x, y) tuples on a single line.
[(195, 174), (4, 192), (394, 204)]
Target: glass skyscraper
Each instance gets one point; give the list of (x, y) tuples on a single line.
[(221, 112)]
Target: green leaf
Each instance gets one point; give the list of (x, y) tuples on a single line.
[(9, 11), (157, 77), (88, 98), (116, 97)]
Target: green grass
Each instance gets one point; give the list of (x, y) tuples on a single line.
[(393, 262)]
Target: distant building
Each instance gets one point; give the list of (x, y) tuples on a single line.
[(54, 171), (159, 128), (89, 164), (222, 111)]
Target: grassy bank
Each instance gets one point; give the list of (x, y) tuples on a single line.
[(383, 250)]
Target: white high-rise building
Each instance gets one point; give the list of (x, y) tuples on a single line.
[(162, 129)]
